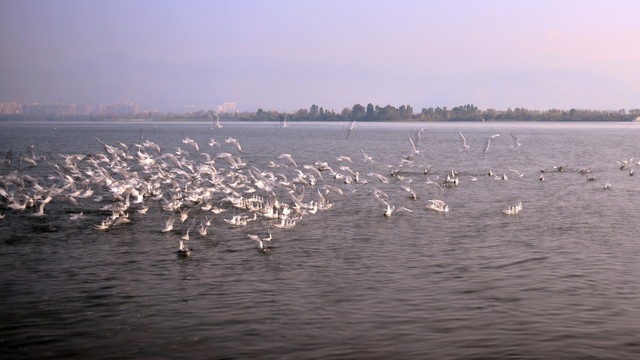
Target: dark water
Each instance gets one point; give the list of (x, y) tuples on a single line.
[(559, 280)]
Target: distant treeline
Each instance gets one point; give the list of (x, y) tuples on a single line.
[(405, 113), (365, 113)]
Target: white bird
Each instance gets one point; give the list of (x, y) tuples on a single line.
[(288, 157), (379, 177), (185, 237), (416, 136), (366, 157), (464, 141), (414, 150), (283, 123), (431, 182), (192, 143), (216, 121), (44, 202), (412, 194), (77, 216), (168, 225), (488, 144), (263, 244), (234, 142), (143, 210), (203, 229), (183, 249), (516, 141), (103, 226), (517, 172), (513, 210), (184, 214), (350, 129), (438, 205)]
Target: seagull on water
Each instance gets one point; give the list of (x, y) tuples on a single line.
[(263, 244)]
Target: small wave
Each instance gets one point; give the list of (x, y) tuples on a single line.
[(517, 262)]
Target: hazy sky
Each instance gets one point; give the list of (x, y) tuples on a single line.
[(286, 55)]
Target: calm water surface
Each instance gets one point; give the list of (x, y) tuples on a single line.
[(559, 280)]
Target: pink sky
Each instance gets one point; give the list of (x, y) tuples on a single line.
[(286, 55)]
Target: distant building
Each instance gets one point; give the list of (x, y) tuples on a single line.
[(121, 109), (48, 109), (67, 109), (83, 109), (228, 107), (10, 108)]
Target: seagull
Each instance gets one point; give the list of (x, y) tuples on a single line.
[(431, 182), (263, 244), (438, 205), (366, 157), (344, 158), (192, 143), (413, 147), (288, 157), (283, 123), (416, 135), (204, 227), (464, 141), (77, 216), (103, 226), (350, 129), (216, 121), (513, 210), (185, 237), (412, 194), (143, 210), (183, 249), (379, 177), (234, 142), (184, 214), (488, 143), (44, 202), (517, 172), (516, 141), (168, 226)]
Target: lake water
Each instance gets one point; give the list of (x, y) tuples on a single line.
[(558, 280)]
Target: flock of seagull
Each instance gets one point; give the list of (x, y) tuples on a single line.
[(191, 188)]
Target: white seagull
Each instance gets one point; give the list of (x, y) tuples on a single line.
[(464, 141), (263, 244), (488, 144)]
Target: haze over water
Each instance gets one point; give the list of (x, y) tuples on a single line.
[(556, 280)]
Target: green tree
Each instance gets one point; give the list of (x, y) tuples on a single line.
[(358, 112), (314, 111), (371, 113), (405, 112)]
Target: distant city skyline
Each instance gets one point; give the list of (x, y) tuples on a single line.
[(14, 108), (287, 55)]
